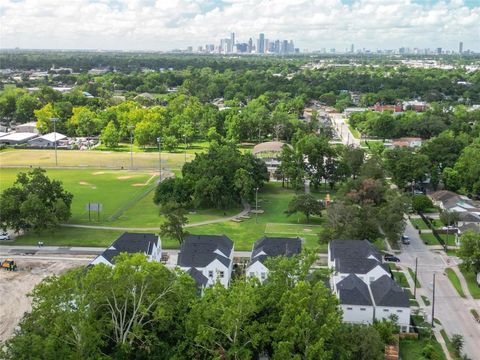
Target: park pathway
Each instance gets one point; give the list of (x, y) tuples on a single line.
[(244, 212)]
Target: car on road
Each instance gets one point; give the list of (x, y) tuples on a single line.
[(450, 227), (390, 257), (405, 240), (4, 236)]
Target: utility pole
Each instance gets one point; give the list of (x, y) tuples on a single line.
[(130, 127), (433, 301), (256, 205), (415, 279), (54, 120), (159, 159)]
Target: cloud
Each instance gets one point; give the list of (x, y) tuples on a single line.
[(167, 24)]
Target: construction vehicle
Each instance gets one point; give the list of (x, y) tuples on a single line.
[(9, 265)]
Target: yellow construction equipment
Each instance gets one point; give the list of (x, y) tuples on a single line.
[(9, 265)]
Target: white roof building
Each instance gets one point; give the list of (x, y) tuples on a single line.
[(47, 140), (17, 138)]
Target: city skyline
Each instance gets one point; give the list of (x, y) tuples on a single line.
[(178, 24)]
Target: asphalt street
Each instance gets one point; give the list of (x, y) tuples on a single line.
[(452, 310)]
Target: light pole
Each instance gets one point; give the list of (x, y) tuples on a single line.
[(159, 159), (54, 120), (130, 127), (256, 205)]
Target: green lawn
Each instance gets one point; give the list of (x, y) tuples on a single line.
[(429, 239), (400, 278), (412, 275), (413, 302), (273, 222), (472, 285), (354, 131), (413, 349), (93, 158), (426, 300), (114, 189), (452, 276), (419, 223)]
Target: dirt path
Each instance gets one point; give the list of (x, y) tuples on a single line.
[(14, 287)]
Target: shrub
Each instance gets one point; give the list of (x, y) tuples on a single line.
[(420, 203)]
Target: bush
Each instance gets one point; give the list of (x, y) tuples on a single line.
[(421, 203)]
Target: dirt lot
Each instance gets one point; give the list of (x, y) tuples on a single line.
[(14, 287)]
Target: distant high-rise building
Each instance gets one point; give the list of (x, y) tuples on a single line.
[(460, 47), (352, 49), (232, 39), (439, 51), (250, 45), (284, 49), (261, 44), (276, 47), (291, 47), (267, 45)]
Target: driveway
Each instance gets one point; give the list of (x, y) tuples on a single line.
[(452, 310)]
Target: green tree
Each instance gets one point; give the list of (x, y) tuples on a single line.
[(110, 136), (134, 309), (468, 165), (420, 203), (451, 179), (34, 202), (173, 190), (44, 118), (25, 107), (306, 204), (457, 343), (406, 166), (469, 251), (175, 221), (448, 217), (222, 324)]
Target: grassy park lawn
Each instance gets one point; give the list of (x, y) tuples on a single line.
[(412, 275), (273, 199), (419, 223), (92, 158), (114, 189), (472, 285), (452, 276), (429, 239)]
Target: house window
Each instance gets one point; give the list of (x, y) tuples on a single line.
[(385, 310), (372, 278), (210, 273), (262, 276), (399, 311), (349, 308), (251, 274), (363, 309), (222, 274)]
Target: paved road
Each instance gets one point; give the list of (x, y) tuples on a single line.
[(452, 310), (344, 133)]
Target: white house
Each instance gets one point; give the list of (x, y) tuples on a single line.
[(144, 243), (355, 300), (390, 299), (207, 258), (363, 284), (47, 140), (357, 257), (270, 247)]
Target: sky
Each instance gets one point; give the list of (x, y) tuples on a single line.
[(168, 24)]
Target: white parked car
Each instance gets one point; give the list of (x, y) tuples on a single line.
[(4, 236)]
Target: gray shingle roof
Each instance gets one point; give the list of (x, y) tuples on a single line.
[(275, 246), (200, 250), (355, 256), (386, 292), (353, 249), (199, 278), (353, 291), (131, 243)]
